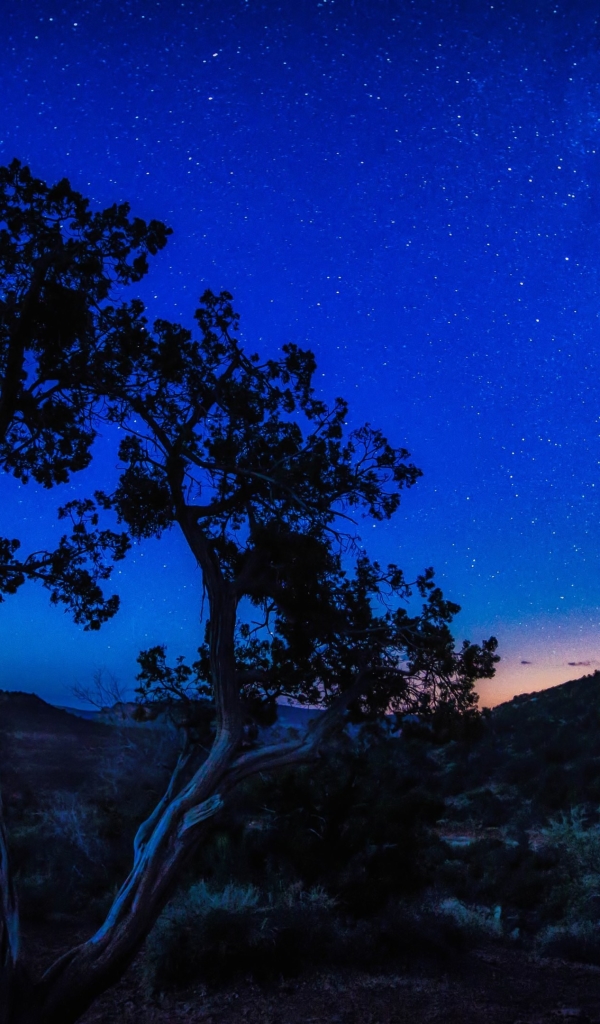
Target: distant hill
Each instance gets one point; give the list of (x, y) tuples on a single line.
[(43, 747), (537, 754), (26, 712), (289, 716), (565, 694)]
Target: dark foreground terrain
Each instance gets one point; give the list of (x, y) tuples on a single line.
[(487, 846), (491, 985)]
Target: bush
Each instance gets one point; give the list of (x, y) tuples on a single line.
[(358, 825), (211, 936), (58, 856), (576, 847), (578, 843), (579, 942), (401, 931), (473, 921)]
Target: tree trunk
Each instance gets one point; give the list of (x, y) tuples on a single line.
[(163, 843), (162, 846)]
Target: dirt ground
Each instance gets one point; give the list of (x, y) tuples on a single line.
[(491, 986)]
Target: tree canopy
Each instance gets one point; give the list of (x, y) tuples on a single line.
[(266, 483), (60, 264), (268, 486)]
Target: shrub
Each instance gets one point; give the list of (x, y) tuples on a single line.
[(579, 844), (578, 941), (400, 931), (211, 936), (66, 819), (359, 826), (473, 921)]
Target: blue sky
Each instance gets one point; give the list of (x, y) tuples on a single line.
[(411, 190)]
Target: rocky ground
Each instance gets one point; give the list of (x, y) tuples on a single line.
[(486, 986)]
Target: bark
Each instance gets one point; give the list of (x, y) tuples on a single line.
[(162, 845), (165, 840)]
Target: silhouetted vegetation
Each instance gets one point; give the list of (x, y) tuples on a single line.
[(266, 484), (398, 822)]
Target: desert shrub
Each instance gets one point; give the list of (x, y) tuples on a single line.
[(405, 931), (67, 820), (472, 921), (578, 941), (58, 856), (70, 848), (358, 825), (575, 844), (58, 861), (211, 936), (557, 884), (521, 880)]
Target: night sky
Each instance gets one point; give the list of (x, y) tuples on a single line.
[(412, 190)]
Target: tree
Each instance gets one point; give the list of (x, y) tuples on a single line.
[(59, 265), (265, 484)]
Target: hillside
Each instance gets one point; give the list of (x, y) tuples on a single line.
[(44, 748), (539, 753), (26, 712)]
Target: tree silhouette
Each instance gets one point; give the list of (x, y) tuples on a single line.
[(266, 484), (59, 265)]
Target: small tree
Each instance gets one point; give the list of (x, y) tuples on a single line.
[(264, 481), (59, 265)]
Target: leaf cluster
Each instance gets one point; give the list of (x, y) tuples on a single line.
[(74, 570), (243, 445), (59, 263)]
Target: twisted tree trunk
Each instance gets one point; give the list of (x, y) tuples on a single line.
[(167, 838), (161, 847)]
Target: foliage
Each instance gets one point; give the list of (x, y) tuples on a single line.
[(70, 846), (357, 823), (59, 265), (75, 569), (575, 839), (578, 941), (266, 485), (263, 480), (212, 935), (478, 920)]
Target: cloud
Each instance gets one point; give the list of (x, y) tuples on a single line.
[(527, 663), (579, 663)]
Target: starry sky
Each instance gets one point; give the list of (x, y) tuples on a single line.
[(412, 190)]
